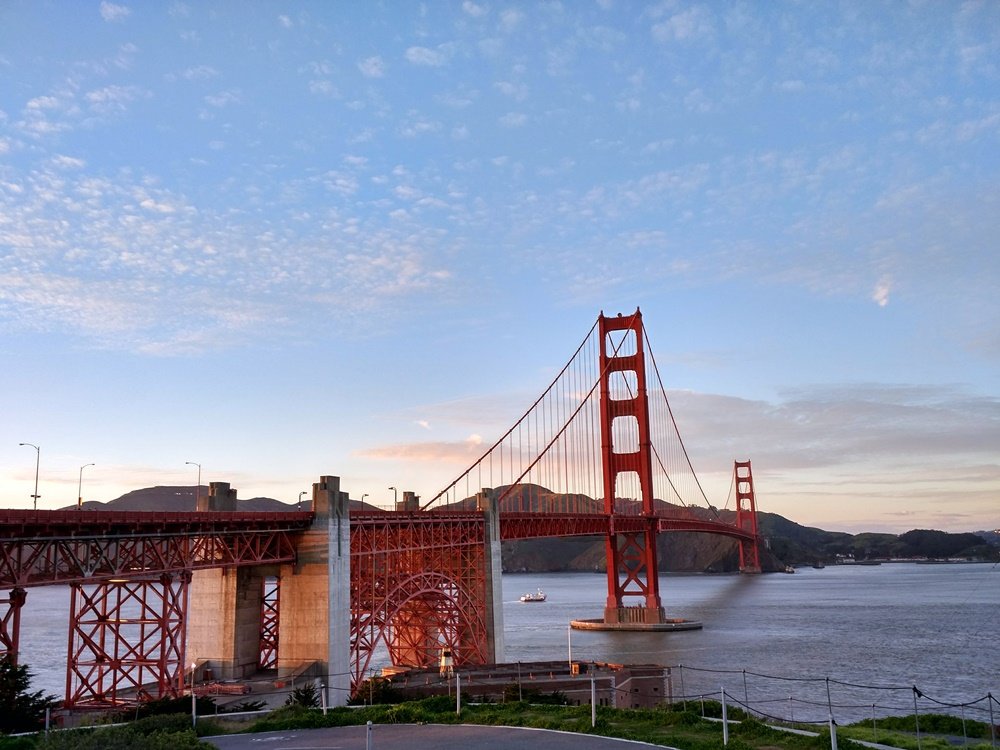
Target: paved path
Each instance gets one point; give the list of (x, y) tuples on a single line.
[(421, 737)]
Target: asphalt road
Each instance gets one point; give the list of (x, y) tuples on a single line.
[(420, 737)]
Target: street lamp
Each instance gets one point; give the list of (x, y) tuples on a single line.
[(395, 497), (304, 492), (38, 456), (197, 489), (79, 487), (363, 496)]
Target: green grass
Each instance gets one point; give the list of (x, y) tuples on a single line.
[(671, 726), (661, 726), (901, 732)]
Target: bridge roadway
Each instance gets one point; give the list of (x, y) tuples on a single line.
[(73, 546)]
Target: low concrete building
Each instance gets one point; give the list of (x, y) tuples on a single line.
[(617, 685)]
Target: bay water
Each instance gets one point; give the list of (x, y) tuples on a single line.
[(846, 638)]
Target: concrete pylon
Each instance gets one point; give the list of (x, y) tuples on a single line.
[(223, 627), (486, 502), (314, 622)]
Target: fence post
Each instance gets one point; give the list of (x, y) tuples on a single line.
[(916, 714), (725, 721), (833, 734), (458, 694), (993, 727), (683, 693), (322, 696), (829, 700), (593, 701), (746, 693), (874, 728)]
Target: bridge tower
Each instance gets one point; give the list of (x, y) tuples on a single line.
[(746, 516), (632, 564)]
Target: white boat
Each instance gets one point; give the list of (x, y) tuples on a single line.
[(538, 596)]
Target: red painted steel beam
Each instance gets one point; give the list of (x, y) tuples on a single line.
[(57, 547)]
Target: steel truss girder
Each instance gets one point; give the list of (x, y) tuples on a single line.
[(89, 556), (418, 584), (270, 600), (536, 525), (126, 638)]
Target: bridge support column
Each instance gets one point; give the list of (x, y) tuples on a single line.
[(10, 623), (225, 607), (315, 616), (487, 502), (633, 575), (126, 638), (746, 516)]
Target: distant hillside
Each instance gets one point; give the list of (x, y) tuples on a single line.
[(786, 542), (180, 498)]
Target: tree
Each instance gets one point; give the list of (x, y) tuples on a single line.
[(20, 710)]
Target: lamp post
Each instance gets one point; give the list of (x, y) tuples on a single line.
[(304, 492), (395, 497), (363, 496), (197, 489), (79, 487), (38, 456)]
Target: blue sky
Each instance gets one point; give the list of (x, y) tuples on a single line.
[(290, 239)]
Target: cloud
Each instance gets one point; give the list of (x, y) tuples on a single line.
[(881, 294), (514, 120), (114, 13), (112, 100), (322, 88), (693, 23), (223, 98), (517, 91), (473, 9), (122, 263), (461, 452), (199, 73), (426, 56), (285, 21), (372, 67), (510, 19)]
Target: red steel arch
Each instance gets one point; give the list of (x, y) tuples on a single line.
[(418, 585)]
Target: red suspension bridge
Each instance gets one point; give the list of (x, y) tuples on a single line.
[(598, 453)]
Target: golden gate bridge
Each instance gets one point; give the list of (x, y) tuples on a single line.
[(597, 454)]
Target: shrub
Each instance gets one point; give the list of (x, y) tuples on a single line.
[(121, 738), (306, 696)]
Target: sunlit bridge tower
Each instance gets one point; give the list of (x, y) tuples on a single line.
[(746, 516), (625, 450)]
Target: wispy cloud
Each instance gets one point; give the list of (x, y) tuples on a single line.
[(425, 56), (372, 67), (114, 13)]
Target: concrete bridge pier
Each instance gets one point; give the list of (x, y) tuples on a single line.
[(224, 607), (315, 612)]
